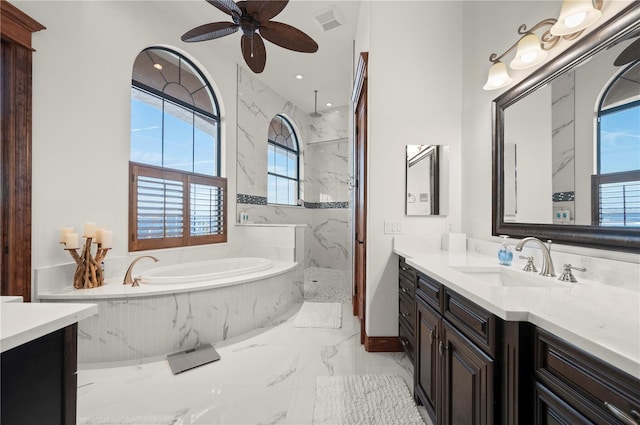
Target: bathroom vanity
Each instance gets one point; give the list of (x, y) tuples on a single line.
[(497, 345), (38, 361)]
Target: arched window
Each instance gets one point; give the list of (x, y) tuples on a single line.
[(616, 184), (176, 196), (283, 163)]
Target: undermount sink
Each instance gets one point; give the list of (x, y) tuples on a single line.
[(501, 276)]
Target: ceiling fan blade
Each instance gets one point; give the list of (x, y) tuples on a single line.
[(209, 31), (629, 54), (253, 51), (288, 37), (227, 6), (263, 10)]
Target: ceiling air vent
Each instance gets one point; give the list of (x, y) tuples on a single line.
[(329, 19)]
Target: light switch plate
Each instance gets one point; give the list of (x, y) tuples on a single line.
[(392, 227)]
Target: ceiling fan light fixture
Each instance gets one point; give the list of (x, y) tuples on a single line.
[(157, 66), (575, 15)]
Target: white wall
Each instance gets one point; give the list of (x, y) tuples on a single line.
[(415, 65), (81, 116)]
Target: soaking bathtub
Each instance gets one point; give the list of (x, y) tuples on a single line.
[(181, 306)]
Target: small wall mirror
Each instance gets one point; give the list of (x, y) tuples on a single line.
[(427, 180)]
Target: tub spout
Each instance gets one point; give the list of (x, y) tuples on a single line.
[(127, 277)]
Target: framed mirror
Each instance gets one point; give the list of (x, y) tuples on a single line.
[(426, 180), (566, 145)]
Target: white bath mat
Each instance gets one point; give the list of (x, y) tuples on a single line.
[(131, 420), (364, 400), (319, 315)]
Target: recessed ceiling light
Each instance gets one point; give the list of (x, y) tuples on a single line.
[(329, 104), (299, 77), (157, 66)]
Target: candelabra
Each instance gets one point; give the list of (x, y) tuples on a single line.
[(89, 272)]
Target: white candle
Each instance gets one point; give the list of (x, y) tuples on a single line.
[(107, 239), (89, 229), (64, 232), (71, 241), (99, 235)]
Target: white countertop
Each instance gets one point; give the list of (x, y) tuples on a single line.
[(24, 322), (10, 299), (601, 319)]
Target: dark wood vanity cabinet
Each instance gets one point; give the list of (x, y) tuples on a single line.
[(407, 308), (572, 386), (454, 369)]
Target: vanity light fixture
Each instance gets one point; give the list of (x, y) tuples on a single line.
[(531, 50)]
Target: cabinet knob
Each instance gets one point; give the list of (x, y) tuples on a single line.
[(404, 268), (403, 342), (431, 336), (405, 315), (624, 417), (403, 290)]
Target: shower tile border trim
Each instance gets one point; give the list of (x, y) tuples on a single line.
[(262, 200)]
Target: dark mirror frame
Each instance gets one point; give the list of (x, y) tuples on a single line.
[(615, 238)]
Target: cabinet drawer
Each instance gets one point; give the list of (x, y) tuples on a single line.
[(407, 287), (585, 382), (473, 321), (406, 270), (407, 340), (430, 290), (407, 309)]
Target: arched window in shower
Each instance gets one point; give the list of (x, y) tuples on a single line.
[(283, 163)]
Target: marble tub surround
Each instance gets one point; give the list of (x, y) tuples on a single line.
[(273, 369), (138, 328), (603, 320)]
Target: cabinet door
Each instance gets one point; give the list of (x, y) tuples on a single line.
[(551, 410), (467, 381), (427, 380)]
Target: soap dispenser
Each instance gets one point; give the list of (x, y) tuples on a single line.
[(505, 254)]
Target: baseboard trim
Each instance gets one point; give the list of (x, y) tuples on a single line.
[(382, 344)]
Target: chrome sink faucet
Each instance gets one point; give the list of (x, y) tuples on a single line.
[(547, 262), (127, 277)]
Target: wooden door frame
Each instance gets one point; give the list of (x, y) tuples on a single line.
[(359, 98), (15, 153)]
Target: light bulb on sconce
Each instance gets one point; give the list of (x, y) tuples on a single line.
[(575, 15), (529, 53), (498, 77), (532, 50)]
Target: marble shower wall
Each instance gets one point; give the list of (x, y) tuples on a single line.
[(325, 155), (562, 143)]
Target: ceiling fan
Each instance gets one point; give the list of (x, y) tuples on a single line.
[(254, 18)]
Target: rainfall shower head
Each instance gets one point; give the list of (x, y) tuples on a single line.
[(315, 112)]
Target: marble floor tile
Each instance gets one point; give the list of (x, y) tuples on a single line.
[(264, 377)]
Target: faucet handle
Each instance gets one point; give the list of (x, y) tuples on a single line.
[(567, 275), (136, 281), (530, 267)]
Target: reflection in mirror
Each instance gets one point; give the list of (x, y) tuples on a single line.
[(575, 125), (427, 180)]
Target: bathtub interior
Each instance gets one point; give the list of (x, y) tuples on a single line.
[(205, 270)]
